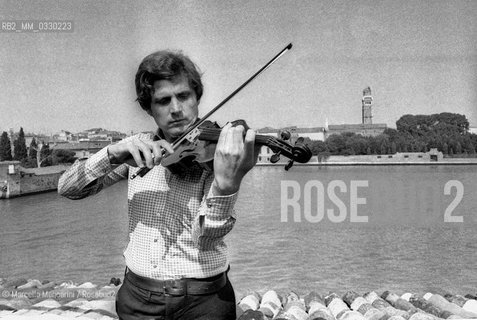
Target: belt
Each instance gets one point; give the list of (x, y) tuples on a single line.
[(179, 287)]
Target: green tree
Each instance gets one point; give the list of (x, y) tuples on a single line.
[(31, 161), (472, 149), (467, 145), (358, 144), (33, 149), (45, 156), (20, 152), (317, 147), (420, 125), (5, 148), (432, 131), (62, 156), (445, 148), (393, 147), (335, 144), (383, 148), (458, 148), (473, 140)]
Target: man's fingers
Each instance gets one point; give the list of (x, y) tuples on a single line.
[(134, 151), (159, 148), (234, 141), (166, 145), (145, 153), (223, 136), (139, 153), (157, 153), (249, 144)]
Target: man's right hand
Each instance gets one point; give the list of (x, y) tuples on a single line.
[(138, 153)]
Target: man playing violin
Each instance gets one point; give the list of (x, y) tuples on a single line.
[(176, 258)]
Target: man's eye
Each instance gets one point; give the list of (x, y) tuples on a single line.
[(184, 96), (163, 101)]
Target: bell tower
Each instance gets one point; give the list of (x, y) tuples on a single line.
[(367, 104)]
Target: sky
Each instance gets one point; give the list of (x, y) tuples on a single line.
[(418, 57)]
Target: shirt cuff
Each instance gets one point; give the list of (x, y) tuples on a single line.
[(98, 164), (221, 204)]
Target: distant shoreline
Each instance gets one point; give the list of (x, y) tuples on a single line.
[(384, 162), (338, 164)]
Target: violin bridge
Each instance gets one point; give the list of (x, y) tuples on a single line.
[(193, 135)]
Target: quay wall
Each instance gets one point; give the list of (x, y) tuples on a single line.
[(17, 181), (365, 160), (32, 183)]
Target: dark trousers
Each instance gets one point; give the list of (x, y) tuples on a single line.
[(134, 303)]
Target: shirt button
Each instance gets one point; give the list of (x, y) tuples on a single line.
[(155, 240)]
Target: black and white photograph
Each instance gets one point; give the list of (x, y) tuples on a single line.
[(238, 160)]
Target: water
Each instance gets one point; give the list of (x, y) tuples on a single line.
[(280, 243)]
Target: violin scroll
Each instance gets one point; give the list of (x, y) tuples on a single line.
[(301, 153)]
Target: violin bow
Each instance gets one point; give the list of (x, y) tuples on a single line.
[(191, 133)]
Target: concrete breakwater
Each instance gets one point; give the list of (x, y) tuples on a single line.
[(34, 299)]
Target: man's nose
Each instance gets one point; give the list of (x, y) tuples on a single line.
[(176, 106)]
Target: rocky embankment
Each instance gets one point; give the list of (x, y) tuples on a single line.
[(34, 299), (352, 306)]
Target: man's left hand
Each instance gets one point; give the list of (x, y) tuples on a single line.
[(234, 157)]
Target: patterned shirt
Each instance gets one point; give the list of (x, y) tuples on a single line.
[(176, 224)]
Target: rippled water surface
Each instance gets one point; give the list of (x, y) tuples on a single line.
[(284, 237)]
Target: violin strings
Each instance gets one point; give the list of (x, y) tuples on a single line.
[(277, 145), (214, 133)]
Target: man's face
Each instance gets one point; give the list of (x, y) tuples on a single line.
[(174, 106)]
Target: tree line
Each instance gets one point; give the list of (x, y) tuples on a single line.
[(37, 155), (448, 132)]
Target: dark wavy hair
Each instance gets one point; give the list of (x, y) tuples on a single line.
[(165, 65)]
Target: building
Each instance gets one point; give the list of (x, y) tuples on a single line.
[(367, 106), (365, 130), (82, 149), (98, 134), (399, 158), (366, 127), (65, 135)]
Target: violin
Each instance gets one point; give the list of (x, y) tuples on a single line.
[(197, 144), (201, 149)]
